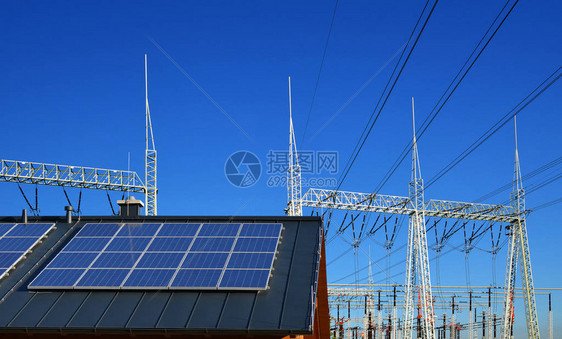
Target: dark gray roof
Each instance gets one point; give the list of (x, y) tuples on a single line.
[(285, 308)]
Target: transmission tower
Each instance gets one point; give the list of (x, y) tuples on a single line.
[(417, 257), (150, 157), (519, 249), (294, 201)]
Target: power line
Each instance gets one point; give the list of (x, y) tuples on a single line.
[(320, 71), (549, 81), (386, 94), (547, 204), (526, 177), (449, 91)]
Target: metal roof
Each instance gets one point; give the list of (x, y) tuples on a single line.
[(286, 307)]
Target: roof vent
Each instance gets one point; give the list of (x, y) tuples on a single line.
[(130, 207)]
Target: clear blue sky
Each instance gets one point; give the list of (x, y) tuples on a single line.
[(72, 92)]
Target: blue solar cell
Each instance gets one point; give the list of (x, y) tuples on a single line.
[(205, 260), (29, 230), (129, 244), (103, 278), (98, 230), (86, 244), (150, 278), (212, 244), (256, 245), (16, 244), (4, 228), (220, 230), (8, 259), (245, 278), (170, 244), (178, 230), (73, 260), (260, 230), (250, 260), (2, 271), (138, 230), (116, 260), (57, 277), (196, 278), (150, 255), (160, 260)]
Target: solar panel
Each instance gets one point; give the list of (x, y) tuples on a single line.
[(16, 240), (164, 256)]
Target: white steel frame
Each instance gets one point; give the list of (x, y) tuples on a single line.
[(150, 174), (294, 201), (26, 172), (417, 258)]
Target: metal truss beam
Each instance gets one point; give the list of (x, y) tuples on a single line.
[(150, 172), (294, 205), (368, 202), (70, 176)]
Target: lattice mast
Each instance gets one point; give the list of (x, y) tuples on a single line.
[(294, 203), (519, 249), (417, 257), (150, 177)]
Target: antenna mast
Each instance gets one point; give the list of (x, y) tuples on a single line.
[(294, 203), (150, 157), (417, 257), (518, 250)]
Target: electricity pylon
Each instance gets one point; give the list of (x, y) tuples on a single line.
[(519, 250), (417, 258), (294, 201), (150, 157)]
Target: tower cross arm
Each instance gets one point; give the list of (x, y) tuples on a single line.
[(369, 202), (26, 172)]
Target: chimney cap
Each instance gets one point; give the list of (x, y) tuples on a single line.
[(68, 208), (130, 201)]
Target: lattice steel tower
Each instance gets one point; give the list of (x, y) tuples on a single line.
[(150, 158), (294, 201), (519, 250), (417, 257)]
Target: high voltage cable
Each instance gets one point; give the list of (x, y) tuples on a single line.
[(547, 204), (449, 91), (549, 81), (320, 71), (527, 176), (369, 126), (536, 186), (531, 189)]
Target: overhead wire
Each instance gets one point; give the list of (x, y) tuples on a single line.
[(320, 71), (549, 81), (448, 92), (525, 177), (386, 94), (547, 204)]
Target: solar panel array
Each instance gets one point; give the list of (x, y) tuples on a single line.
[(16, 240), (164, 256)]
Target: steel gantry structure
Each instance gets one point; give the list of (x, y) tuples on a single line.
[(363, 300), (294, 205), (417, 209), (26, 172), (150, 176), (417, 260)]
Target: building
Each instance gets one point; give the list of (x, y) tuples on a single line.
[(40, 297)]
